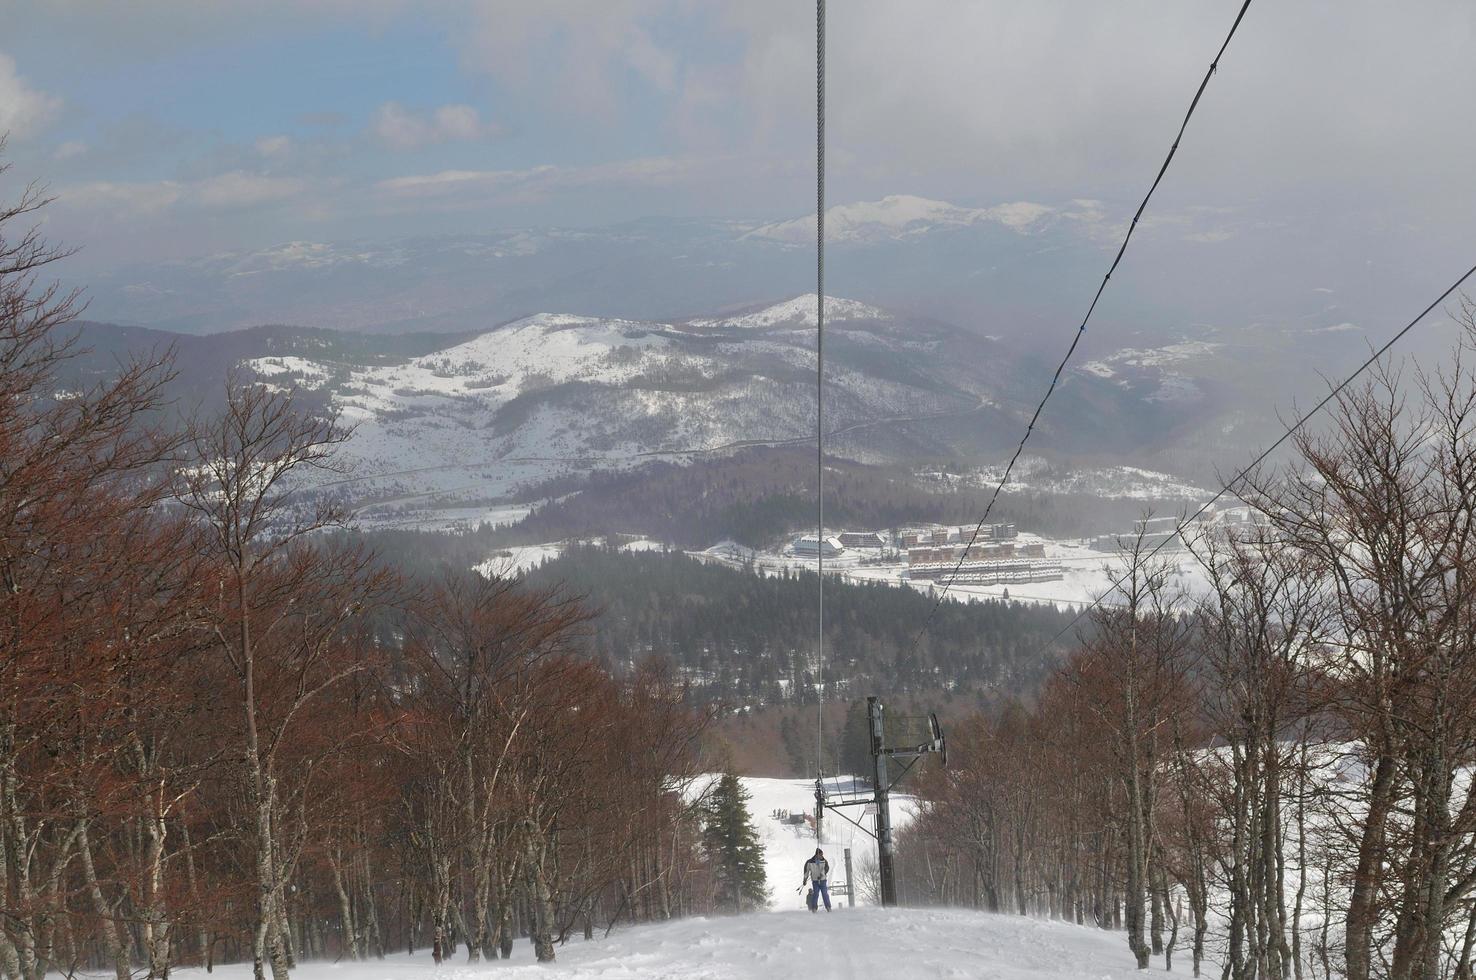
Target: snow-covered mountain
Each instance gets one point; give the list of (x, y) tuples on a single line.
[(475, 418), (605, 392)]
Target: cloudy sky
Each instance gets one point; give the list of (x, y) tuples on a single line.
[(169, 129)]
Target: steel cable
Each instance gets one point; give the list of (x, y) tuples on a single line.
[(1081, 330)]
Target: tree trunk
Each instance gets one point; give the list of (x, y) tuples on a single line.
[(345, 910), (157, 927), (1368, 875), (106, 925), (540, 900)]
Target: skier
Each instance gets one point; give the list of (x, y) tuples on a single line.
[(817, 870)]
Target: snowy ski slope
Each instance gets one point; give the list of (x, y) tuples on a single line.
[(787, 847), (898, 944)]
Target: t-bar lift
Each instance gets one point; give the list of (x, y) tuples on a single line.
[(881, 792)]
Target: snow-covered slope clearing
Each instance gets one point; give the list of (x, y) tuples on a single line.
[(788, 846), (899, 944)]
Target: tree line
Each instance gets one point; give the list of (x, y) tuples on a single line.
[(741, 638), (226, 734), (1276, 775), (760, 496)]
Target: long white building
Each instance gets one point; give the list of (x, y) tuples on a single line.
[(829, 546)]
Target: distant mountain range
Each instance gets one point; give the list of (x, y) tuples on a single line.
[(491, 416)]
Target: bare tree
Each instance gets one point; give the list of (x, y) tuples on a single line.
[(282, 601), (1381, 509), (78, 482), (1136, 659)]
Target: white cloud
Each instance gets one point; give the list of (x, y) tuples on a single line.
[(240, 189), (456, 181), (457, 122), (578, 51), (978, 103), (274, 146), (532, 182), (222, 191), (998, 100), (22, 108), (405, 129), (69, 149), (111, 198)]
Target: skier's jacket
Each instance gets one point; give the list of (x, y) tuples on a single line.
[(817, 869)]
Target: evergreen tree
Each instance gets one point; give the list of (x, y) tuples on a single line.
[(733, 845)]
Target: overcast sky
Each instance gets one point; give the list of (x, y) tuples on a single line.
[(170, 129)]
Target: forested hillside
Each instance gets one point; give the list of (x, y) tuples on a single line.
[(750, 639), (757, 496)]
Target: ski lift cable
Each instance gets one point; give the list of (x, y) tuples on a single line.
[(1081, 330), (819, 390), (1266, 453)]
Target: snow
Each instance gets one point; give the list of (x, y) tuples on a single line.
[(518, 559), (787, 847), (1037, 475), (1087, 573), (557, 395), (310, 373), (416, 512), (899, 944), (788, 940), (798, 311), (1175, 388), (1154, 357)]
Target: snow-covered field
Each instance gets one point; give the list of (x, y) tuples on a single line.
[(519, 558), (410, 515), (1087, 573), (1034, 474)]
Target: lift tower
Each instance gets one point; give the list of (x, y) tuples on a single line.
[(881, 796), (881, 791)]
